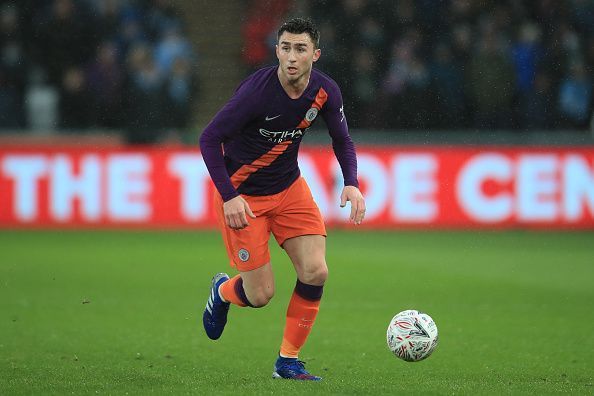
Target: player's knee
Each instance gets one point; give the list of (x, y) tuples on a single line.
[(261, 297), (316, 275), (321, 275), (260, 300)]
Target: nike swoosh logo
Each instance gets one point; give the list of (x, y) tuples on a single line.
[(271, 118)]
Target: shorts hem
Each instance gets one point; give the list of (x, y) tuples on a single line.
[(280, 242), (247, 267)]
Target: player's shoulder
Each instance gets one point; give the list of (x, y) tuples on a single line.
[(325, 80), (258, 79), (329, 85), (334, 96)]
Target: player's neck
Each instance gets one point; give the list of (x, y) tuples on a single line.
[(294, 89)]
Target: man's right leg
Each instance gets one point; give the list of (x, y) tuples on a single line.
[(252, 288), (248, 253)]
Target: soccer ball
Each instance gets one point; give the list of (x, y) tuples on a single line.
[(412, 335)]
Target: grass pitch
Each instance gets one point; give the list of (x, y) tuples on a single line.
[(119, 312)]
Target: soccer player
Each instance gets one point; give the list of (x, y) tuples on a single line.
[(260, 190)]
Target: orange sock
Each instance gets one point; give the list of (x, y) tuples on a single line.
[(301, 314), (232, 291)]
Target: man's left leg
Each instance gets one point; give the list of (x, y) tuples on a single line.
[(307, 253)]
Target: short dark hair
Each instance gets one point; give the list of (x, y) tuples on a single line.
[(301, 25)]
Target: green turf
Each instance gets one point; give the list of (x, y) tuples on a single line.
[(119, 312)]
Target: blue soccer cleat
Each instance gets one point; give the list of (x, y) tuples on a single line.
[(292, 369), (215, 313)]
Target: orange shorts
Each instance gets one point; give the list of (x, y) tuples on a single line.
[(288, 214)]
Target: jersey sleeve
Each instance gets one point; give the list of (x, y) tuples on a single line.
[(342, 144), (228, 122)]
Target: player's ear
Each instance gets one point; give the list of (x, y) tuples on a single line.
[(317, 54)]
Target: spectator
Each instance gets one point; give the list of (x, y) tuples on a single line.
[(180, 89), (145, 105), (491, 86), (106, 78), (131, 33), (13, 67), (582, 16), (160, 15), (77, 106), (462, 42), (406, 85), (42, 101), (527, 54), (10, 106), (538, 104), (172, 46), (331, 61), (448, 86), (575, 97), (364, 89), (65, 38), (108, 17)]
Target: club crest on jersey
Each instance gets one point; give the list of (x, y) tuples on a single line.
[(311, 114), (281, 136), (243, 254)]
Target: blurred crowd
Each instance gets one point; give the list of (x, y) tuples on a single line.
[(94, 64), (447, 64), (406, 64)]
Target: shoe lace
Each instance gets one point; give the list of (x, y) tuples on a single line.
[(297, 366)]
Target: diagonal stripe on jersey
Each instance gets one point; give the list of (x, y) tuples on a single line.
[(243, 173)]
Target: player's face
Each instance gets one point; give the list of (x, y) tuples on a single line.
[(296, 55)]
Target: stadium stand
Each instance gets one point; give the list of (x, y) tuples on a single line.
[(455, 64), (96, 64), (131, 65)]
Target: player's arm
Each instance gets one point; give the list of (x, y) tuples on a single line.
[(344, 149), (226, 123)]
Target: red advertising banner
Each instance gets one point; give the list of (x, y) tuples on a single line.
[(433, 187)]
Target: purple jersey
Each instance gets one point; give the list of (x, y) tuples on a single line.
[(261, 128)]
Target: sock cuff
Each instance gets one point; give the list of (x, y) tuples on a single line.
[(309, 292), (238, 287)]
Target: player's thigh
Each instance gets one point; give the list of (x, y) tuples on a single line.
[(297, 214), (247, 248), (308, 254)]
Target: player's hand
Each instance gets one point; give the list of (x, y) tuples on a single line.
[(235, 211), (352, 194)]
